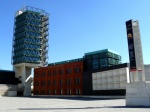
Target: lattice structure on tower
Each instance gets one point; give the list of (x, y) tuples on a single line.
[(30, 42)]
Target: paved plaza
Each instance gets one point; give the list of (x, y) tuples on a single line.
[(65, 104)]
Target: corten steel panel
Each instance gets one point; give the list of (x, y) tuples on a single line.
[(55, 75), (39, 79)]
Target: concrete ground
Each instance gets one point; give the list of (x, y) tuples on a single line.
[(65, 104)]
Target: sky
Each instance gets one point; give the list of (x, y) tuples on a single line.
[(79, 26)]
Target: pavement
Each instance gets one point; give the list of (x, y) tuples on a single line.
[(65, 104)]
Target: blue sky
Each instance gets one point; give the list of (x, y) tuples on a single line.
[(80, 26)]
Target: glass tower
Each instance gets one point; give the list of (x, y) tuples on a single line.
[(30, 41)]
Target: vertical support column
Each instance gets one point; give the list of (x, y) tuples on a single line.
[(27, 87), (128, 75), (135, 51), (20, 74), (138, 51), (141, 76), (131, 77), (23, 74), (134, 76)]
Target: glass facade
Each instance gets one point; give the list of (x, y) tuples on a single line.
[(30, 40), (100, 59)]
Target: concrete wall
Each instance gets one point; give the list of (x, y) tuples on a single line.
[(120, 70), (5, 88), (12, 93), (147, 72), (88, 88), (112, 79)]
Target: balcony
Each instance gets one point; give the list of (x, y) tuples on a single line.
[(44, 24), (45, 18), (44, 46), (44, 29), (45, 34), (44, 52)]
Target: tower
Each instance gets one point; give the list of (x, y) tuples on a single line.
[(135, 51), (30, 45), (137, 91)]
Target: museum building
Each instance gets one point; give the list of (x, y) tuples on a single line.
[(97, 73)]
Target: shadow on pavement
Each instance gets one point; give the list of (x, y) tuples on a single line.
[(74, 98), (79, 108)]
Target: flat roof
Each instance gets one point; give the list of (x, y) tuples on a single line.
[(33, 9), (67, 61), (101, 51)]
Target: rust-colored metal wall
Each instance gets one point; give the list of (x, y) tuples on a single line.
[(61, 79)]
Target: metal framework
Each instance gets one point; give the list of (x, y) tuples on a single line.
[(30, 42)]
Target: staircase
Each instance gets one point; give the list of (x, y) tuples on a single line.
[(5, 88)]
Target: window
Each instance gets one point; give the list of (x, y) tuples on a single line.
[(36, 75), (60, 72), (109, 54), (49, 73), (55, 92), (43, 83), (103, 62), (68, 70), (77, 80), (95, 63), (49, 91), (36, 83), (43, 92), (36, 92), (55, 72), (68, 82), (43, 74), (61, 91), (103, 55), (88, 57), (61, 82), (78, 91), (54, 82), (95, 56), (77, 70), (68, 91), (49, 83)]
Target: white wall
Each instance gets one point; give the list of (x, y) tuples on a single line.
[(147, 72), (5, 88), (112, 79), (12, 93)]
